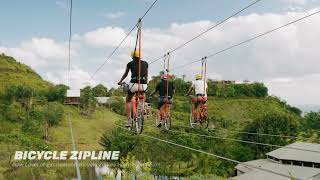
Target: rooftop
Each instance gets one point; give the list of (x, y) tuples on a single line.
[(296, 172), (298, 155)]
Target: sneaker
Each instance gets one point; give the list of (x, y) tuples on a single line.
[(195, 121), (128, 124), (159, 125)]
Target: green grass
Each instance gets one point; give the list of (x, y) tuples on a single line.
[(86, 130)]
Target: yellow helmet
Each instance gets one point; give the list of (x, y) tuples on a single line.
[(198, 76), (135, 54)]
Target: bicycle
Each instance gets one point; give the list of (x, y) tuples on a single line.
[(202, 111), (136, 110), (165, 117)]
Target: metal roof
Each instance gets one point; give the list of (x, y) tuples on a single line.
[(298, 155), (73, 93), (297, 172)]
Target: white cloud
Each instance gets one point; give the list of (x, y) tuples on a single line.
[(78, 77), (293, 89), (113, 15), (107, 36), (286, 60), (38, 52), (297, 2)]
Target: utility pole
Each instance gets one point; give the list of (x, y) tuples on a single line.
[(183, 76)]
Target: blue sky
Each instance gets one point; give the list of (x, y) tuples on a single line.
[(24, 19), (36, 32)]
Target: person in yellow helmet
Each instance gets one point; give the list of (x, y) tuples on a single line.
[(132, 66), (200, 89)]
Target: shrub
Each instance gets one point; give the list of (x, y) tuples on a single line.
[(274, 123), (116, 104)]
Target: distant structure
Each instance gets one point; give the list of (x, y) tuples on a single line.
[(73, 97), (223, 82), (228, 82), (297, 164), (102, 101)]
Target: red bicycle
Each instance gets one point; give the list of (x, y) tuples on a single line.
[(201, 115), (165, 117), (136, 110)]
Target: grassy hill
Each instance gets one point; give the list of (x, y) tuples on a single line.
[(86, 130), (225, 114), (16, 73)]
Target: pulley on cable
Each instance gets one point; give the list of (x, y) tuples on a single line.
[(166, 66), (204, 73)]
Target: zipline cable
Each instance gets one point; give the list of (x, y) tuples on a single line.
[(207, 30), (211, 154), (243, 141), (123, 40), (248, 142), (69, 68), (258, 134), (248, 40)]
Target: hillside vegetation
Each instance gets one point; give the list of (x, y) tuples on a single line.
[(32, 116), (15, 73)]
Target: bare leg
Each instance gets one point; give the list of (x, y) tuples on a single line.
[(195, 112), (127, 106), (158, 115)]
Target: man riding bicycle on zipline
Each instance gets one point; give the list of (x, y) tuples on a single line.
[(133, 67), (161, 88), (201, 89)]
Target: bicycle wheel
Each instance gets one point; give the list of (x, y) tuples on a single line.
[(192, 124), (140, 119), (205, 123), (167, 123), (131, 128), (204, 119)]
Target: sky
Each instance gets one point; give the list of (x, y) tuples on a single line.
[(35, 32)]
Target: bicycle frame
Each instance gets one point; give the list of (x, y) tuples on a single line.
[(201, 117), (165, 111), (135, 102)]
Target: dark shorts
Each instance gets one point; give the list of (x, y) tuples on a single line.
[(162, 100)]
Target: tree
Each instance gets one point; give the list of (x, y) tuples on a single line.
[(260, 90), (53, 114), (87, 100), (24, 94), (100, 91), (57, 93), (312, 120), (274, 123)]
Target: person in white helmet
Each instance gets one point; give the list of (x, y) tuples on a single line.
[(200, 89)]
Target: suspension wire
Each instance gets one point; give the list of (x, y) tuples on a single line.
[(207, 30), (248, 142), (243, 141), (211, 154), (68, 75), (258, 134), (251, 39), (123, 40)]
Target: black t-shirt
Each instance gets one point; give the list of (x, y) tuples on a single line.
[(162, 88), (133, 67)]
